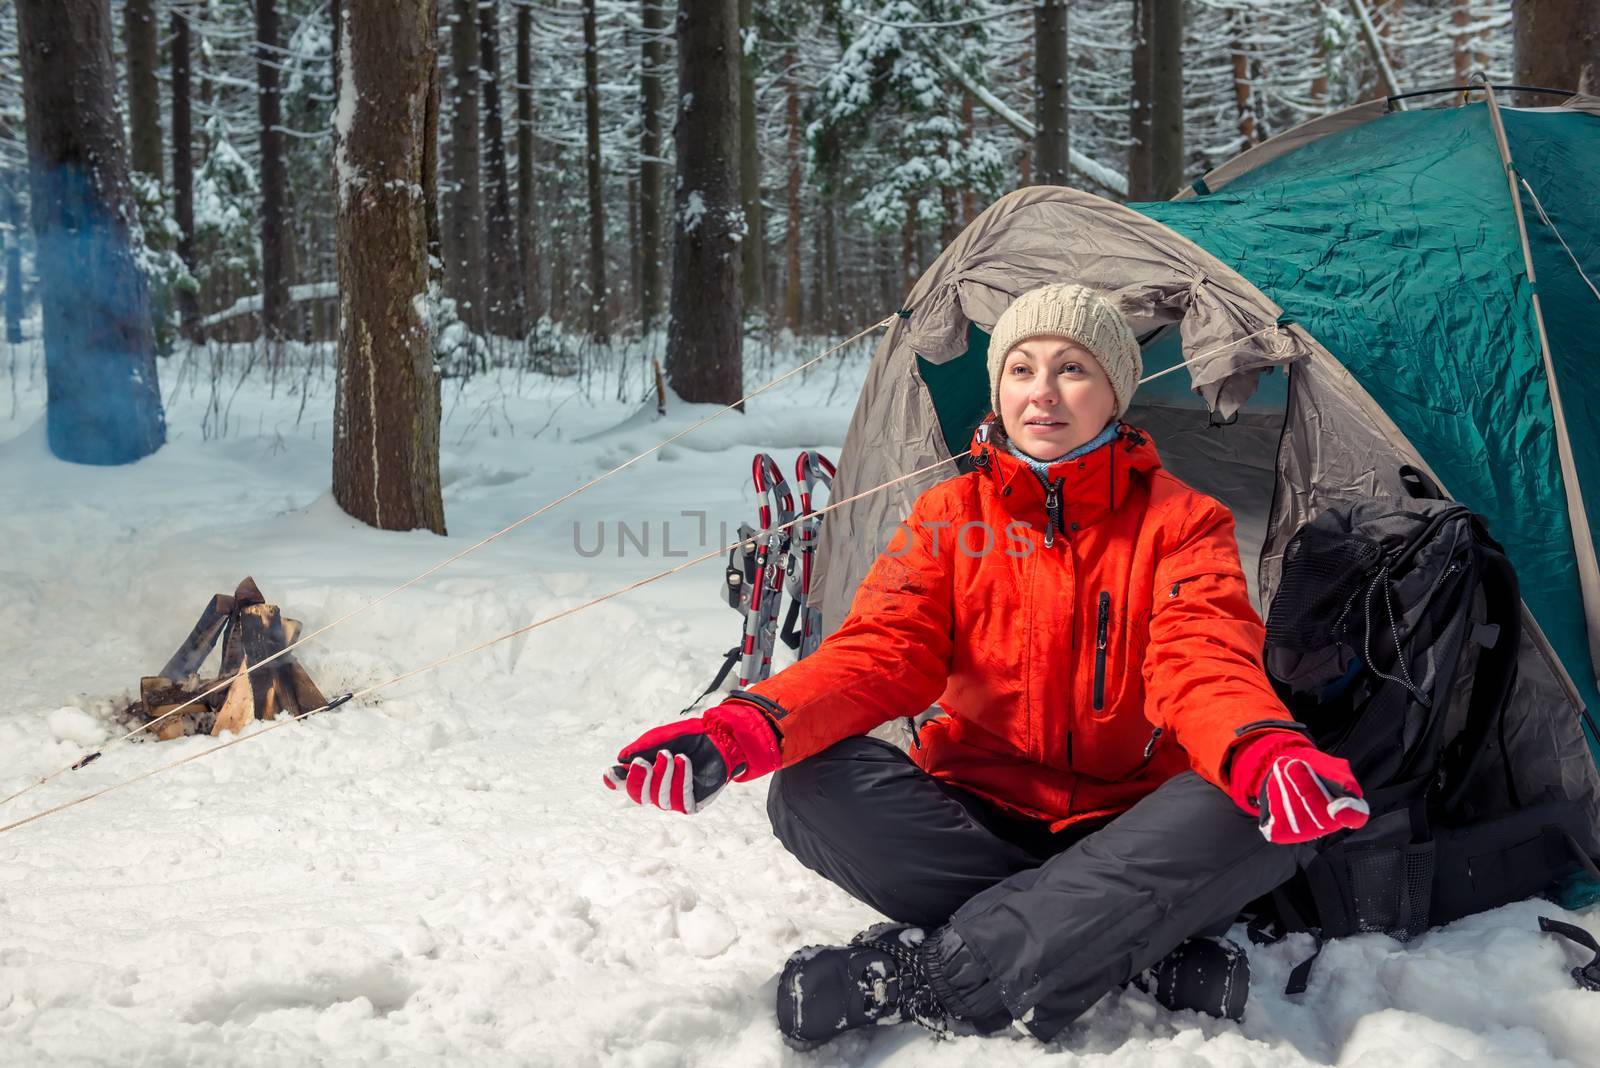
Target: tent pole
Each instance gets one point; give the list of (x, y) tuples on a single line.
[(1578, 518)]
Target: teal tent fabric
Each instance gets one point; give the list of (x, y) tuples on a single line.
[(1395, 244), (960, 390)]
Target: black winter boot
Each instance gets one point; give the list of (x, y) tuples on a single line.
[(1209, 975), (879, 978)]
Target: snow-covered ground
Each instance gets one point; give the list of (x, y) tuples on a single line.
[(434, 874)]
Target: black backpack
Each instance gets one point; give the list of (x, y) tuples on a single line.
[(1393, 636)]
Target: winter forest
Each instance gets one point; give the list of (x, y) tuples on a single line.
[(318, 316), (598, 187)]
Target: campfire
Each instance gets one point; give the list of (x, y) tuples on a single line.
[(250, 631)]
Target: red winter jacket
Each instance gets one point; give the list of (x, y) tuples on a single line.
[(1081, 661)]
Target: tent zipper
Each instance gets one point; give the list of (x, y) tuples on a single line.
[(1102, 629)]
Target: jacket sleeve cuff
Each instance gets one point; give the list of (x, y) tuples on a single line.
[(1250, 757)]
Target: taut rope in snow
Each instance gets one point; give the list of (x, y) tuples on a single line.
[(468, 651), (441, 565), (457, 655)]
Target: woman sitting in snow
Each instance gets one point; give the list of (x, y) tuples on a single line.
[(1112, 777)]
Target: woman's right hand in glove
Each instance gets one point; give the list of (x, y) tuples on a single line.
[(681, 766)]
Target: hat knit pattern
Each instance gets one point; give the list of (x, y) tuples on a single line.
[(1077, 313)]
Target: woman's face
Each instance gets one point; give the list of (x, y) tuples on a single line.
[(1054, 396)]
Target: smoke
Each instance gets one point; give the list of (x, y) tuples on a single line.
[(104, 402)]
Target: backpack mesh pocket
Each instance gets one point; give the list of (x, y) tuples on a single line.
[(1393, 888), (1322, 573)]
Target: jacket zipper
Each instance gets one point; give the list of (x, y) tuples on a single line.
[(1150, 749), (1052, 508), (1102, 629)]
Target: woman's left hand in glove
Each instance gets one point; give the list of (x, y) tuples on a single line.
[(1298, 792)]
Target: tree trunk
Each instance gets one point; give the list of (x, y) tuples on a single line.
[(1383, 15), (653, 22), (527, 231), (831, 285), (386, 409), (274, 178), (183, 161), (908, 255), (1244, 106), (505, 272), (1050, 91), (1462, 42), (750, 165), (631, 199), (11, 216), (464, 275), (597, 204), (1556, 45), (968, 203), (1166, 105), (1141, 181), (1319, 83), (704, 327), (430, 158), (144, 94), (792, 295), (103, 400)]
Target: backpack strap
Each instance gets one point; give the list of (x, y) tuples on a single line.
[(1585, 975), (729, 658), (1500, 641)]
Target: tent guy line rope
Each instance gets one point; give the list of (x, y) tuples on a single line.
[(1272, 329), (222, 684), (1557, 231), (458, 654), (468, 651)]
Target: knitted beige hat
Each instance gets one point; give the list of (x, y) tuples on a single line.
[(1076, 313)]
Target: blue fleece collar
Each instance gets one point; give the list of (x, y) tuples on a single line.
[(1040, 467)]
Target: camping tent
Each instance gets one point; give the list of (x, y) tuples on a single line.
[(1367, 290)]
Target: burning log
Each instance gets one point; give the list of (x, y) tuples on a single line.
[(251, 631)]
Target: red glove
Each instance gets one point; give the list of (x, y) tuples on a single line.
[(1303, 792), (681, 766)]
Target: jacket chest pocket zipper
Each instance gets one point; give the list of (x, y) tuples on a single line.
[(1101, 636), (1173, 593)]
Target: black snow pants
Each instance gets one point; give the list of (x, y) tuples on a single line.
[(1036, 925)]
